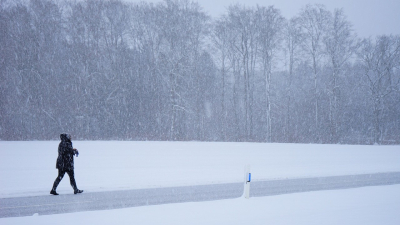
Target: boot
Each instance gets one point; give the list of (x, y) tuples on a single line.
[(77, 191), (53, 192)]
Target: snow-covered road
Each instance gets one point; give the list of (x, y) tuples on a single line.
[(91, 201)]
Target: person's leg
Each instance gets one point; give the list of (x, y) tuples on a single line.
[(73, 182), (57, 181)]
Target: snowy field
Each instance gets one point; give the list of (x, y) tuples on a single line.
[(28, 169)]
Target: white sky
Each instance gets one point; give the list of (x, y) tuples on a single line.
[(369, 17)]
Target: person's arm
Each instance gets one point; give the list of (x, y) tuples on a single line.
[(67, 148)]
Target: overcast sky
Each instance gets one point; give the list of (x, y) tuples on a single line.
[(369, 17)]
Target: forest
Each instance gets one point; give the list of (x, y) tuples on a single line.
[(115, 70)]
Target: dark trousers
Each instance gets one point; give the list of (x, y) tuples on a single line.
[(61, 174)]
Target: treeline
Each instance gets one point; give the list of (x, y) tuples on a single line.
[(107, 69)]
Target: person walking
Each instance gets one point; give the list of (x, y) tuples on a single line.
[(65, 163)]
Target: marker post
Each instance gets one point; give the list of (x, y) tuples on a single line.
[(247, 180)]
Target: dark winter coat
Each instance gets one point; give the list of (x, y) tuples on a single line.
[(66, 152)]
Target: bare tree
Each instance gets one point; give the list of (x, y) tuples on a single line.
[(244, 56), (182, 25), (314, 21), (340, 45), (381, 62), (293, 38), (220, 37), (269, 23)]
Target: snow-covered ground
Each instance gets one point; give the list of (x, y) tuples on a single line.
[(28, 169), (360, 206)]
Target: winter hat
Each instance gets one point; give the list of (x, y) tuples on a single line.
[(65, 137)]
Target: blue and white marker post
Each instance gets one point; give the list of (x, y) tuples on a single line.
[(247, 180)]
